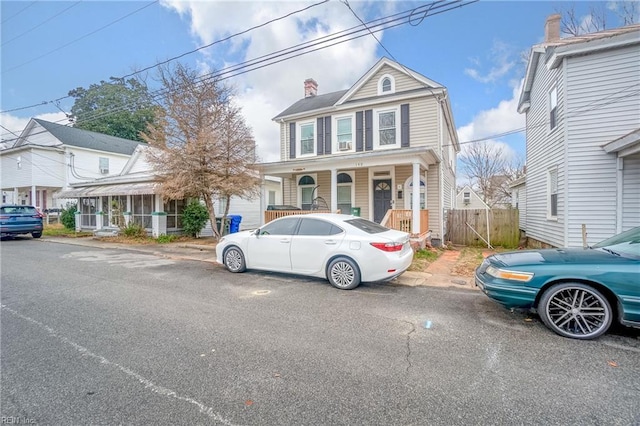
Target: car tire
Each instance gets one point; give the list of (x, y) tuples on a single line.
[(575, 310), (234, 260), (36, 234), (343, 273)]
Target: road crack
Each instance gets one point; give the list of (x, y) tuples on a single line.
[(408, 343)]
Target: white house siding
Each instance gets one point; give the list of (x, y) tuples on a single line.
[(519, 201), (402, 83), (631, 192), (599, 88), (433, 200), (12, 176), (475, 202), (362, 192), (284, 141), (545, 149), (87, 164)]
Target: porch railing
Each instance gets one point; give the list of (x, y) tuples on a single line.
[(402, 220), (270, 215)]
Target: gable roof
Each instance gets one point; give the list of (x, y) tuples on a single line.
[(88, 139), (320, 102), (312, 103), (585, 44)]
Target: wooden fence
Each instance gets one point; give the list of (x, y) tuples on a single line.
[(469, 227)]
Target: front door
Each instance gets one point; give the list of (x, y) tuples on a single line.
[(381, 198)]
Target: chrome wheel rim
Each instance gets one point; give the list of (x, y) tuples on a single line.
[(233, 260), (342, 274), (577, 312)]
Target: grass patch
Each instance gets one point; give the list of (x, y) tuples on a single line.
[(423, 258), (58, 230)]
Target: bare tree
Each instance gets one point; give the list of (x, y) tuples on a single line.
[(482, 162), (596, 20), (203, 148)]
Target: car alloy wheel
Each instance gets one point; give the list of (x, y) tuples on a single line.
[(343, 274), (575, 310), (234, 260)]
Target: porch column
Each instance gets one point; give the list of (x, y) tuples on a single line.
[(99, 213), (158, 217), (14, 198), (415, 198), (334, 191), (34, 199)]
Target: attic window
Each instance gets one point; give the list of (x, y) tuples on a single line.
[(386, 85)]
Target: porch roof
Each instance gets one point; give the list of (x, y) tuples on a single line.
[(140, 188), (425, 156), (626, 145)]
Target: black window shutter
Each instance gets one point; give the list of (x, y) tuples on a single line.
[(368, 130), (320, 136), (404, 130), (292, 140), (359, 136), (327, 135)]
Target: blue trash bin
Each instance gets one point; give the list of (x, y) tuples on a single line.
[(235, 223)]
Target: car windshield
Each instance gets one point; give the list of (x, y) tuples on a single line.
[(18, 210), (367, 226), (627, 243)]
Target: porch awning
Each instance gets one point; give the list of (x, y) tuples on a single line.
[(105, 190)]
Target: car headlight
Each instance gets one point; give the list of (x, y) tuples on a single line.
[(509, 275)]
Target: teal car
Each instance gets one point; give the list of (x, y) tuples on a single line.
[(578, 293)]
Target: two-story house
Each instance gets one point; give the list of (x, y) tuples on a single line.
[(581, 97), (48, 157), (384, 149)]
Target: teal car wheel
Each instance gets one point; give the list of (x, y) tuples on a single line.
[(575, 310)]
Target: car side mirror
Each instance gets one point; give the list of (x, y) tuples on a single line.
[(257, 232)]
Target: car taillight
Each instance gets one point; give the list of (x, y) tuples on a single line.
[(4, 217), (388, 246), (37, 216)]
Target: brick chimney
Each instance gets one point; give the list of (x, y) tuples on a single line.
[(552, 28), (310, 88)]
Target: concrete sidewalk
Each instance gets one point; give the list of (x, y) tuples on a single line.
[(438, 273)]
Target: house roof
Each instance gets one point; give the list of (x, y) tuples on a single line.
[(312, 103), (319, 102), (586, 44), (88, 139)]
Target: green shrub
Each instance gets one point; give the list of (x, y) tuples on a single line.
[(134, 229), (68, 216), (164, 239), (194, 218)]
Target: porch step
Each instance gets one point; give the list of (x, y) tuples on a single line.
[(106, 232)]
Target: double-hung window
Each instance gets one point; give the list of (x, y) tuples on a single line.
[(553, 193), (344, 134), (387, 128), (306, 139), (553, 108)]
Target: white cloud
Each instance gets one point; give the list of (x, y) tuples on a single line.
[(502, 58), (265, 92)]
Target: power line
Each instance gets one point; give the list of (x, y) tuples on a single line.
[(19, 12), (42, 23), (81, 38)]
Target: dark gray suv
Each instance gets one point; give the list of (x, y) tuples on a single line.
[(16, 219)]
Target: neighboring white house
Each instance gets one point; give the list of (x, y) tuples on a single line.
[(385, 149), (582, 102), (467, 199), (519, 200), (48, 157), (134, 196)]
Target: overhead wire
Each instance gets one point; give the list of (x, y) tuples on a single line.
[(41, 23), (19, 12), (81, 38)]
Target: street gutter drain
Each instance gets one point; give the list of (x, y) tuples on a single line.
[(261, 292)]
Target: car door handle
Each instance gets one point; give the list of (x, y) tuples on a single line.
[(285, 241), (330, 242)]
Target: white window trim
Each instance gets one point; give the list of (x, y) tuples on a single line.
[(393, 85), (299, 187), (407, 192), (376, 126), (352, 175), (299, 153), (334, 134), (549, 171), (554, 88)]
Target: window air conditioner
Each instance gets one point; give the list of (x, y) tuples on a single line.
[(344, 146), (104, 171)]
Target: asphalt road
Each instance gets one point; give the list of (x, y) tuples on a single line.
[(94, 336)]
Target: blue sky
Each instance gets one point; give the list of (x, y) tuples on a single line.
[(477, 51)]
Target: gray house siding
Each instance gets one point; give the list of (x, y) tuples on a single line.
[(631, 192), (402, 83), (599, 109), (545, 151)]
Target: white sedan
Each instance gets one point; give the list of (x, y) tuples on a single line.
[(344, 249)]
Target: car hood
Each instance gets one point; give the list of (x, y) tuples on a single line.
[(555, 256)]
